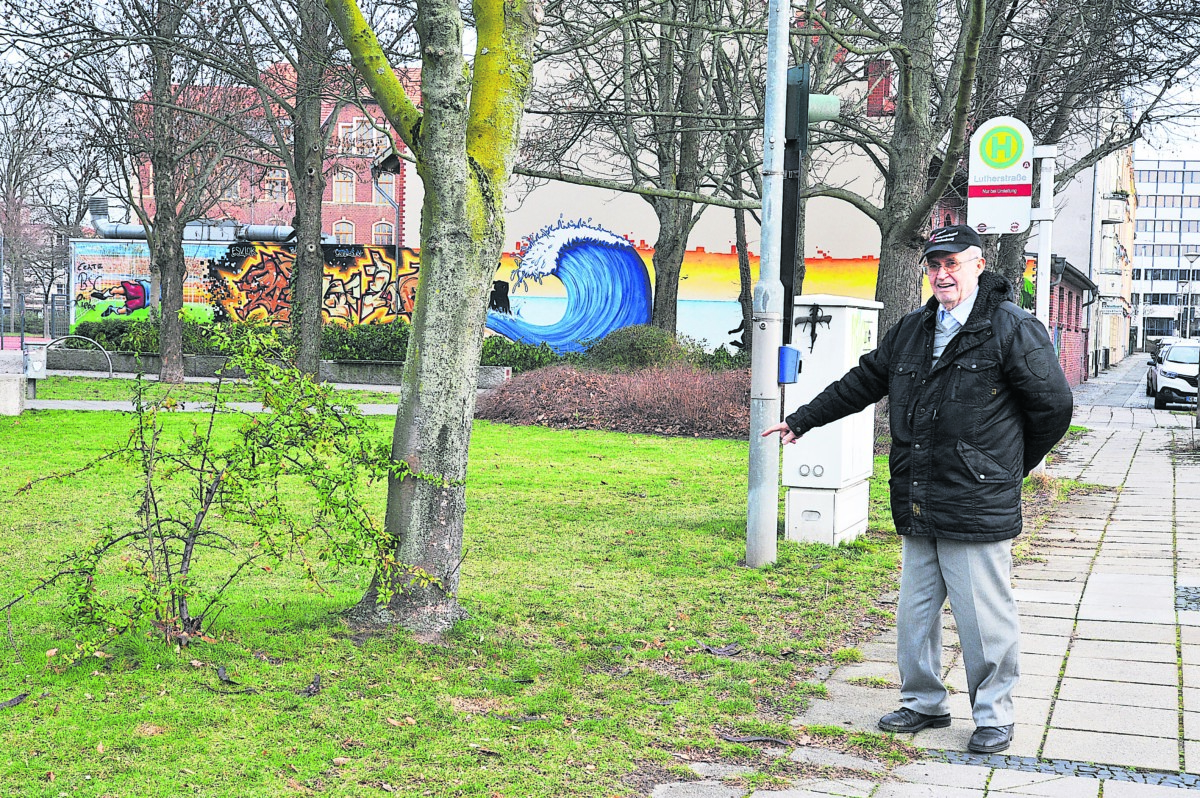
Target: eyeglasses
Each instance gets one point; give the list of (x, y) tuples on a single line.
[(949, 267)]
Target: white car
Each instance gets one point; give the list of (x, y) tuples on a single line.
[(1173, 375)]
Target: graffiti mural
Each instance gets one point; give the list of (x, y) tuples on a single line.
[(242, 281), (363, 285), (606, 282), (112, 278)]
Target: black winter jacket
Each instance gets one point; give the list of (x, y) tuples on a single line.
[(966, 432)]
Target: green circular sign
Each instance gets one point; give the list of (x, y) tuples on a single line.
[(1001, 147)]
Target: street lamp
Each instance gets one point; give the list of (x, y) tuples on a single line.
[(1191, 257)]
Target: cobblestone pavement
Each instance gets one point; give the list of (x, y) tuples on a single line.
[(1108, 590)]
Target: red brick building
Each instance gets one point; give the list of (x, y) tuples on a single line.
[(1070, 292), (359, 207)]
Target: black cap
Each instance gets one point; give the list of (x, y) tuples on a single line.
[(955, 238)]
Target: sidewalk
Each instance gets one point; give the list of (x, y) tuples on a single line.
[(1109, 598)]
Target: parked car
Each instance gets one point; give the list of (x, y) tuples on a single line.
[(1172, 377)]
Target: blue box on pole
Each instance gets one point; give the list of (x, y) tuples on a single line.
[(789, 364)]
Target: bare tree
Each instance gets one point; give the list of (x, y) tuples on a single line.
[(25, 124), (629, 99), (1095, 75), (166, 145)]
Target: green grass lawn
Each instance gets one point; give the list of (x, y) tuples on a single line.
[(122, 390), (597, 567)]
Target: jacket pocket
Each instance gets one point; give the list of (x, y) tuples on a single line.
[(983, 467), (901, 386), (976, 378)]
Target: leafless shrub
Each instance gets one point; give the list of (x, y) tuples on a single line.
[(674, 400)]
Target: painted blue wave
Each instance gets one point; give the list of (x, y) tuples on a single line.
[(606, 282)]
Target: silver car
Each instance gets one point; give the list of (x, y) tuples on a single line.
[(1172, 376)]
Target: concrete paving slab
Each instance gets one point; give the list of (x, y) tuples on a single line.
[(1060, 627), (792, 793), (902, 790), (1050, 785), (1041, 610), (1026, 595), (1152, 696), (1114, 719), (944, 774), (1191, 725), (851, 788), (696, 789), (1027, 739), (1155, 753), (1139, 652), (835, 759), (1051, 645), (1040, 664), (1191, 756), (1127, 631), (716, 771), (1130, 789), (1052, 585), (1189, 618), (1130, 614), (1032, 686), (1113, 670)]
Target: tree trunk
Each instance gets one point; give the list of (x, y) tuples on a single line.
[(745, 287), (1010, 260), (168, 254), (308, 274), (674, 224), (465, 152)]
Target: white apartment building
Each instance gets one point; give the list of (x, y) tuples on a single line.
[(1166, 252)]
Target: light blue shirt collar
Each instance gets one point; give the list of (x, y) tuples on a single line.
[(961, 311)]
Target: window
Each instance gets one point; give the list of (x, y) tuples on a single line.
[(275, 184), (343, 232), (232, 191), (1133, 299), (879, 88), (343, 187), (361, 136), (1137, 274), (382, 234), (385, 188)]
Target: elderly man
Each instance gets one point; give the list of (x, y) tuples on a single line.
[(977, 399)]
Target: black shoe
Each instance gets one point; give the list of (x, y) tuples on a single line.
[(905, 720), (990, 739)]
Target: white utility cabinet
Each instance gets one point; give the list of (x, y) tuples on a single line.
[(825, 473)]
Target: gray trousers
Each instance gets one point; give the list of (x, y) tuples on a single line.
[(976, 577)]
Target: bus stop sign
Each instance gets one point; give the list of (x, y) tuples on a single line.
[(1000, 177)]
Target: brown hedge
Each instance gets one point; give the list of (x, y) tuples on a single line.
[(669, 400)]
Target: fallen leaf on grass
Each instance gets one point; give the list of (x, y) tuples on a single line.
[(295, 785), (197, 663), (341, 760), (394, 722), (150, 730), (99, 748), (12, 702), (52, 653), (49, 776)]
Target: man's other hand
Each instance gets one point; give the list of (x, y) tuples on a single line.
[(785, 433)]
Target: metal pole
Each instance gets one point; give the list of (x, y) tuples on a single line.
[(1044, 215), (762, 515)]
